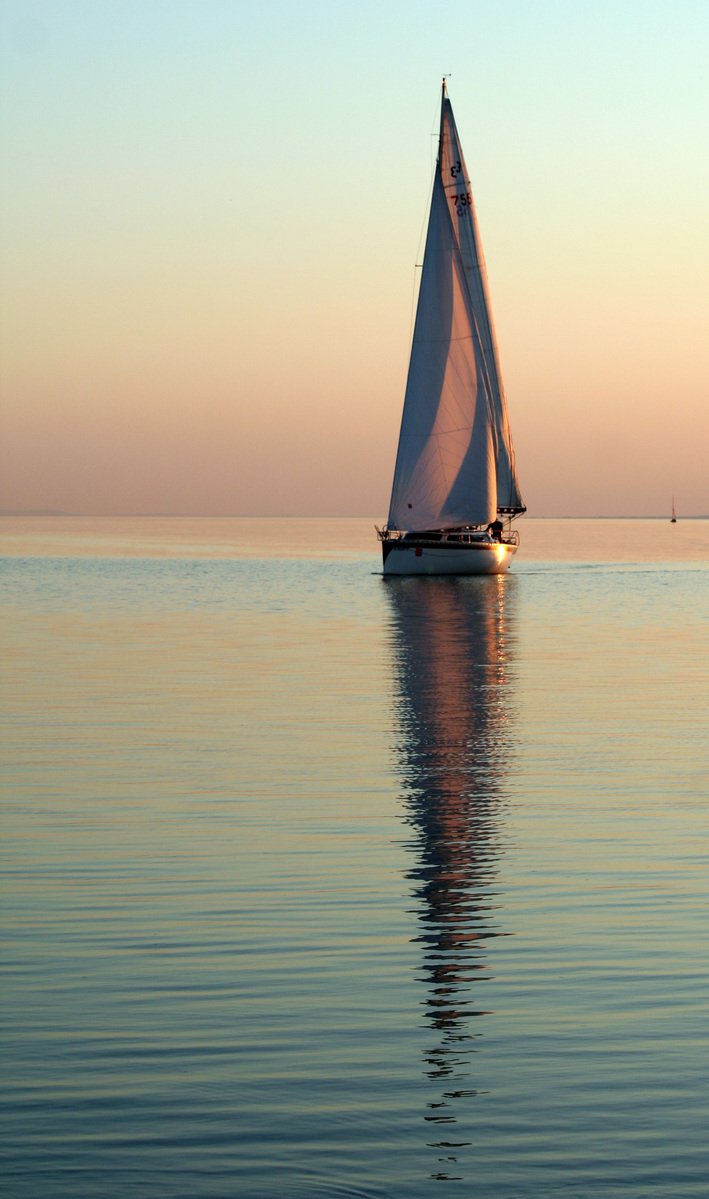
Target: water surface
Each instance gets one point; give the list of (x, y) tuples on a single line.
[(317, 883)]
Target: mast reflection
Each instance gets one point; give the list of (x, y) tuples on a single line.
[(451, 648)]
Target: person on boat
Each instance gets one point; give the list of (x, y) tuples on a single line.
[(495, 530)]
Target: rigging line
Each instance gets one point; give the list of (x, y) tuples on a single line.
[(418, 266), (433, 137)]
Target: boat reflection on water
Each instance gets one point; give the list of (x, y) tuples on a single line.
[(451, 648)]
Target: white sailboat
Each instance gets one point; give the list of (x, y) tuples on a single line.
[(455, 490)]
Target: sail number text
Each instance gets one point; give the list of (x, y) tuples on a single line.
[(462, 200)]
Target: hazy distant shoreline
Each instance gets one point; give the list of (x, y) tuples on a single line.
[(45, 512)]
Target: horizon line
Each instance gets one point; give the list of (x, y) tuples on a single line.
[(59, 512)]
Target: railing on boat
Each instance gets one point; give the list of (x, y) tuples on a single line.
[(452, 537)]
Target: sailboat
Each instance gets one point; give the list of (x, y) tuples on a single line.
[(673, 518), (455, 490)]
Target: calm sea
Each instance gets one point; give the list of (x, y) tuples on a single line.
[(317, 884)]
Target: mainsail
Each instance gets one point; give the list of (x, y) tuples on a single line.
[(455, 462)]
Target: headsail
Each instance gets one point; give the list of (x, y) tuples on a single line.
[(455, 463)]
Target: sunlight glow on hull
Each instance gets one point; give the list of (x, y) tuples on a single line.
[(449, 560)]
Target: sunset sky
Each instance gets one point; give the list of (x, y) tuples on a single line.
[(211, 214)]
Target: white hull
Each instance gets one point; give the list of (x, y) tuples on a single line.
[(478, 558)]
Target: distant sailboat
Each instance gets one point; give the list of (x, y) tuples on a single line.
[(673, 518), (455, 482)]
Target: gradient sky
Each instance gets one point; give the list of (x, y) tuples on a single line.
[(211, 213)]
